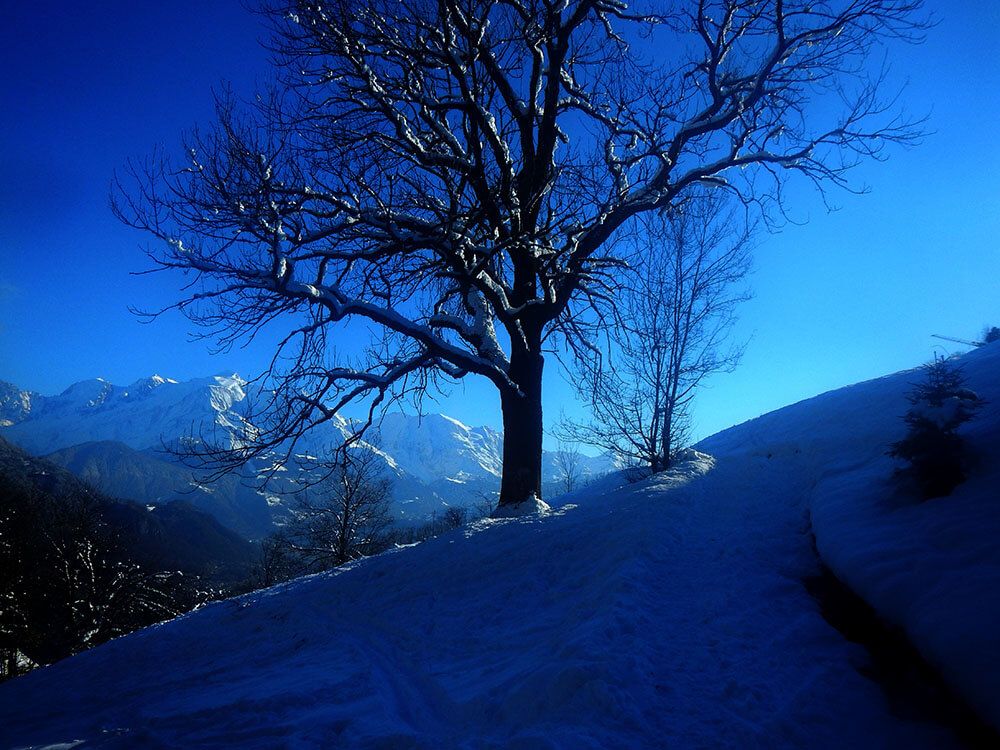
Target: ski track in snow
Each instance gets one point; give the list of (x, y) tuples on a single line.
[(669, 613)]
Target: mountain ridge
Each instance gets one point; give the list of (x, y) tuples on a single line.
[(115, 437)]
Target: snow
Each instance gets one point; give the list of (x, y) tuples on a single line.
[(433, 446), (15, 404), (534, 505), (946, 415), (666, 613), (932, 568)]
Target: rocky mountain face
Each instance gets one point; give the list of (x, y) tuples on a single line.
[(15, 404), (115, 438)]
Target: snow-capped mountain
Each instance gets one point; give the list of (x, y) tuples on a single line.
[(433, 447), (113, 436), (142, 415), (15, 404)]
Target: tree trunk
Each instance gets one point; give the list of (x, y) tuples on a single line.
[(668, 435), (522, 430)]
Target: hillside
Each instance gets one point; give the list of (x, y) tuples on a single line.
[(669, 613), (125, 472), (152, 478), (170, 537)]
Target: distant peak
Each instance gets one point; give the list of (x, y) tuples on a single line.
[(154, 380), (86, 385), (144, 386), (428, 418), (455, 422)]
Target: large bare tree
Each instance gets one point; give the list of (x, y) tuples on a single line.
[(453, 175)]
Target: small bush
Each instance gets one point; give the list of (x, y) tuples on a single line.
[(932, 446)]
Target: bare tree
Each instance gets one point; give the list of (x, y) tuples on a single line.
[(568, 461), (343, 518), (276, 562), (453, 176), (454, 517), (676, 310)]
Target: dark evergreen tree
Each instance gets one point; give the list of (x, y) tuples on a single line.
[(932, 446)]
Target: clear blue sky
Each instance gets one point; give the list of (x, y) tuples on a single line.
[(847, 296)]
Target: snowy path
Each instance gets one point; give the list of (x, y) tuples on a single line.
[(668, 614)]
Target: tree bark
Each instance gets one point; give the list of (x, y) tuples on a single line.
[(522, 430), (668, 434)]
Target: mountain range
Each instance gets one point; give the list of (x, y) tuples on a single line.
[(115, 438)]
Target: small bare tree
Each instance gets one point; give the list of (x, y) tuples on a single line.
[(345, 517), (689, 266), (569, 466), (453, 176), (276, 562), (454, 517)]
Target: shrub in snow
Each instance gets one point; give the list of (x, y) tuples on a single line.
[(991, 334), (932, 446)]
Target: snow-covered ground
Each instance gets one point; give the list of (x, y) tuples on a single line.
[(931, 568), (669, 613)]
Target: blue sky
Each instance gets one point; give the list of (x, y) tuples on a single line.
[(846, 296)]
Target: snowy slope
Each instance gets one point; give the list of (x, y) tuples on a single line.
[(932, 568), (669, 613)]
